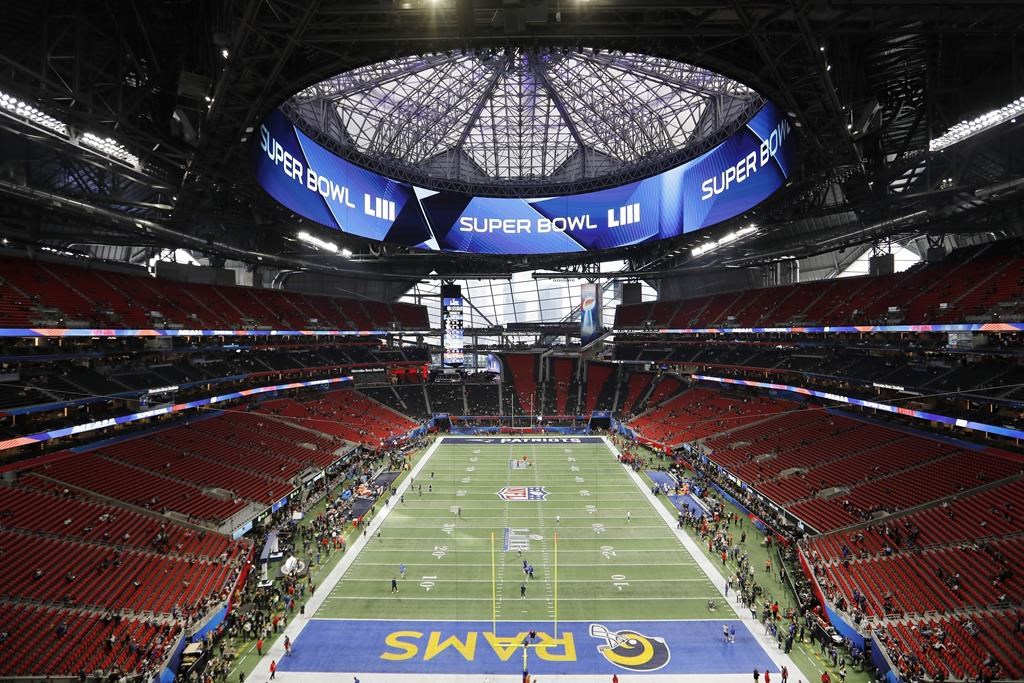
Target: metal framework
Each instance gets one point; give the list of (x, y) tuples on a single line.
[(498, 119), (866, 83), (523, 299)]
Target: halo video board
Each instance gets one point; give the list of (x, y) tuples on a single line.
[(731, 178)]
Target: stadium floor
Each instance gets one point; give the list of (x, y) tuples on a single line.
[(632, 591)]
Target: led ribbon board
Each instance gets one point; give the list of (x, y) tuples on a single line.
[(107, 332), (722, 183), (908, 412), (858, 329), (163, 410)]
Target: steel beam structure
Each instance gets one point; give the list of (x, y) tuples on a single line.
[(901, 73)]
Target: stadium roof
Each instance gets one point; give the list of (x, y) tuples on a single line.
[(130, 134), (522, 116)]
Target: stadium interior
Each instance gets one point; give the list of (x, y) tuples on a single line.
[(260, 258)]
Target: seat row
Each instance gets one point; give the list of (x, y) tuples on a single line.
[(85, 575), (698, 413), (42, 292), (346, 414), (47, 639), (32, 505), (133, 485), (963, 649), (522, 370), (926, 294)]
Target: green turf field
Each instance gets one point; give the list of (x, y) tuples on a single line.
[(607, 567)]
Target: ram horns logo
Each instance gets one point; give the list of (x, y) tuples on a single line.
[(630, 649), (521, 493)]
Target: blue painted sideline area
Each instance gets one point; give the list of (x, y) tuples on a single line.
[(684, 501), (667, 483), (662, 479), (470, 647)]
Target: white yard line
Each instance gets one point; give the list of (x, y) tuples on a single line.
[(529, 599), (323, 591), (709, 568)]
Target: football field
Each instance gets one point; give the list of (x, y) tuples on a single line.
[(613, 589)]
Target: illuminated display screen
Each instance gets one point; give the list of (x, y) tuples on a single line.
[(451, 321), (722, 183)]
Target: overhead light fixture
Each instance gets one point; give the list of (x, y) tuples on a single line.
[(110, 147), (224, 53), (30, 114), (317, 242), (966, 129), (728, 238)]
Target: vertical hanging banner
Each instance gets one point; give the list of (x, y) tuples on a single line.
[(451, 325), (590, 312)]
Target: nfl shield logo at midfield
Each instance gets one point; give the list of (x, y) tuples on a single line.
[(521, 493)]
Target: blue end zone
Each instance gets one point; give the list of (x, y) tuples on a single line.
[(501, 440), (433, 647)]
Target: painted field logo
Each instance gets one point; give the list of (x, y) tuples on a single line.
[(521, 493), (631, 650), (519, 539)]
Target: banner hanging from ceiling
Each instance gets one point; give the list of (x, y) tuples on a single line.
[(590, 312)]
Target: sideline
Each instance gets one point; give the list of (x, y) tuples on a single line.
[(708, 567), (261, 671), (323, 591)]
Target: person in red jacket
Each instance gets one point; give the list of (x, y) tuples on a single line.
[(767, 676), (825, 678), (273, 668)]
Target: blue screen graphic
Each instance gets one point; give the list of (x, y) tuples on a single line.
[(733, 177)]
